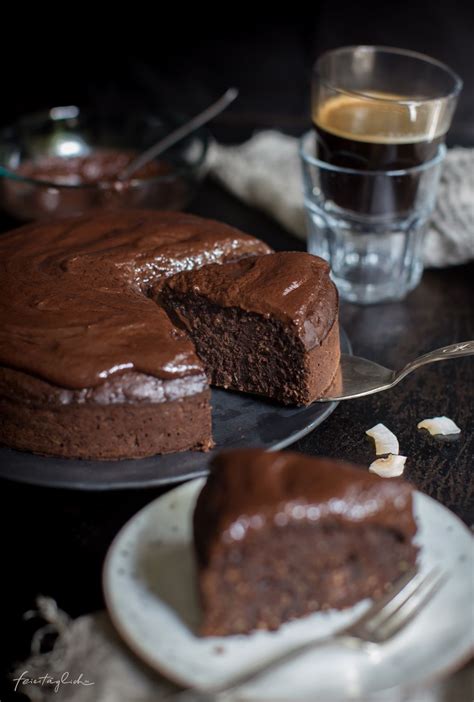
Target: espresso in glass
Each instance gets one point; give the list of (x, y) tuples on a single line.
[(374, 132)]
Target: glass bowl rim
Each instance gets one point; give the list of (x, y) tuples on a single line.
[(203, 134)]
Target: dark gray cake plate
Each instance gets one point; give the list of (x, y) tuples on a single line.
[(238, 420)]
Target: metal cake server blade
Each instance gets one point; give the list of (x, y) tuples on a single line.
[(357, 377)]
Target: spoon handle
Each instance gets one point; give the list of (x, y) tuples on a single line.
[(462, 348), (178, 134)]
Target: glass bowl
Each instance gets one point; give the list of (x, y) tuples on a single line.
[(69, 132)]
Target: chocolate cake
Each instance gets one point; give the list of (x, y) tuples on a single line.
[(280, 535), (265, 325), (90, 365)]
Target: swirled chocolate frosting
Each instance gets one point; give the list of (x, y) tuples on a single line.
[(76, 295), (291, 286)]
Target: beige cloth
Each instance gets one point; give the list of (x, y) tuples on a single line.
[(265, 173), (89, 650)]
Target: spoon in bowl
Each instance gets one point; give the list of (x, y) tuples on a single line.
[(357, 377), (180, 133)]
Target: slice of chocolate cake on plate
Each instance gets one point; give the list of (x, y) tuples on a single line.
[(281, 535), (266, 324)]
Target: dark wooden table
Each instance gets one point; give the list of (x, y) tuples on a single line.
[(54, 541)]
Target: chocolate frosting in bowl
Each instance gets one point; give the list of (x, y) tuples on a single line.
[(76, 294), (100, 166)]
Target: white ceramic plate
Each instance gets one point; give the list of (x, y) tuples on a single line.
[(150, 590)]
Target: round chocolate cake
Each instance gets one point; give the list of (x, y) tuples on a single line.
[(112, 326), (90, 365)]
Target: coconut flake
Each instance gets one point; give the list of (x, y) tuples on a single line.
[(385, 440), (439, 425), (389, 467)]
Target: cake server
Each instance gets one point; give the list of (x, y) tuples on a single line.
[(358, 377)]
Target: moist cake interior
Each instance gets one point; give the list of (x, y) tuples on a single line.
[(266, 325)]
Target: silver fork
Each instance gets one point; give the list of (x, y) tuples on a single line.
[(380, 623), (358, 377)]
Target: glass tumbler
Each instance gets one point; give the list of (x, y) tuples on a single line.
[(376, 256), (372, 162)]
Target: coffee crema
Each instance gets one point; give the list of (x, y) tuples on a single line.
[(377, 132)]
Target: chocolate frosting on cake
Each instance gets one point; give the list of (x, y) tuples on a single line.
[(294, 287), (75, 294), (251, 488)]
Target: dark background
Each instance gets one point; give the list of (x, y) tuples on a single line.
[(53, 542), (186, 55)]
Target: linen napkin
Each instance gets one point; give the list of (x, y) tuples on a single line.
[(264, 172), (89, 663)]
